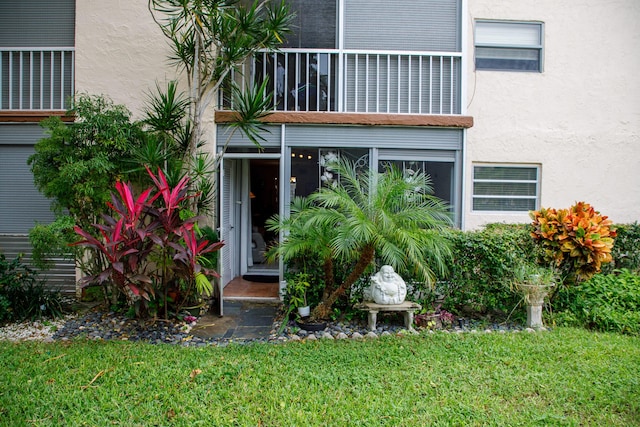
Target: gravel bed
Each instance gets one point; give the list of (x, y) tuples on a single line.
[(106, 325), (38, 330)]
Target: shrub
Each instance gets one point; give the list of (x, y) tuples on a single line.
[(482, 266), (626, 249), (578, 240), (150, 249), (23, 295), (606, 302)]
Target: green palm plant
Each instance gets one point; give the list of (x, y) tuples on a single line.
[(302, 243), (373, 214)]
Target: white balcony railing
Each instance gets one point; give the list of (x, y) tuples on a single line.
[(354, 81), (36, 79)]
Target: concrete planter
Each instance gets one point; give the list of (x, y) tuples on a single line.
[(534, 296)]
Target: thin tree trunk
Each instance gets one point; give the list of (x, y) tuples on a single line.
[(329, 284), (323, 309)]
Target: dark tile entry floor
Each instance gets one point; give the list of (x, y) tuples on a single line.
[(242, 320)]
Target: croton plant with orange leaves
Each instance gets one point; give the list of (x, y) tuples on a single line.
[(578, 239)]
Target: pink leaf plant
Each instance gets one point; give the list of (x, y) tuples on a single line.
[(144, 225)]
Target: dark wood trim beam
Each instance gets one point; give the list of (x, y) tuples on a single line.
[(21, 116), (369, 119)]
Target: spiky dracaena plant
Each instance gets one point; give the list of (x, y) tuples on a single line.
[(150, 223), (369, 214), (578, 240), (209, 40)]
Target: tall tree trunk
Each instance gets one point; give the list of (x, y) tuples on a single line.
[(323, 309)]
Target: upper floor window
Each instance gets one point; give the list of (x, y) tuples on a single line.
[(509, 46), (314, 25), (505, 188)]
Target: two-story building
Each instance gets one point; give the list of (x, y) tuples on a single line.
[(37, 65), (508, 106)]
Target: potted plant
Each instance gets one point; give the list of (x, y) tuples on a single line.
[(297, 292), (534, 282)]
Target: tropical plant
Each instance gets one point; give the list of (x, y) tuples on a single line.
[(606, 302), (297, 290), (147, 228), (169, 132), (388, 215), (76, 166), (208, 40), (23, 295), (577, 240), (306, 246)]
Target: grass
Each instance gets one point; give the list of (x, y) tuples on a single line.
[(562, 377)]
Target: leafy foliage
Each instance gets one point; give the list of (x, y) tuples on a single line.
[(49, 240), (578, 239), (148, 246), (76, 166), (626, 249), (482, 266), (210, 39), (606, 302), (23, 295), (368, 214)]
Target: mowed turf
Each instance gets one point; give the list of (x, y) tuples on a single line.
[(567, 377)]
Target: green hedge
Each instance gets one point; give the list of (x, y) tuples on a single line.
[(626, 249), (484, 261), (606, 302), (482, 265)]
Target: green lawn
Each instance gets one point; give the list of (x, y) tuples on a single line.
[(562, 377)]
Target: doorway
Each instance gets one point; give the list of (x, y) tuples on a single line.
[(264, 203), (250, 195)]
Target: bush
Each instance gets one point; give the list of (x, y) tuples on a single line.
[(577, 240), (606, 302), (626, 249), (483, 264), (150, 249), (23, 295)]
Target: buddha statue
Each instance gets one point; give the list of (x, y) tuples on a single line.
[(386, 287)]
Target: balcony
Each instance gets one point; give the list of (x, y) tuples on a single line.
[(36, 79), (349, 81)]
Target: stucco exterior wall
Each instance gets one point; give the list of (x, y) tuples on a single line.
[(579, 119), (120, 52)]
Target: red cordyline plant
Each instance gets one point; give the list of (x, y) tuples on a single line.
[(577, 240), (150, 224)]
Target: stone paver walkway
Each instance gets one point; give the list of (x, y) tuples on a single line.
[(242, 320)]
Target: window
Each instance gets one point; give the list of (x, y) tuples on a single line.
[(505, 188), (509, 46)]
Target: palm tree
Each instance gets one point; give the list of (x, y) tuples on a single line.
[(368, 214), (301, 243)]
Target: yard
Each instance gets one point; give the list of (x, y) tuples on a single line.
[(560, 377)]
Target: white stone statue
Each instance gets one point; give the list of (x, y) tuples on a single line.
[(387, 287)]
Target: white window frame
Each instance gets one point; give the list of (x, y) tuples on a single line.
[(509, 35), (535, 198)]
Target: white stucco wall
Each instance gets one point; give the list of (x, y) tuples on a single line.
[(120, 52), (579, 119)]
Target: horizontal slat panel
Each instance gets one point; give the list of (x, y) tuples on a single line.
[(37, 23), (21, 204), (60, 277), (374, 136), (426, 25)]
